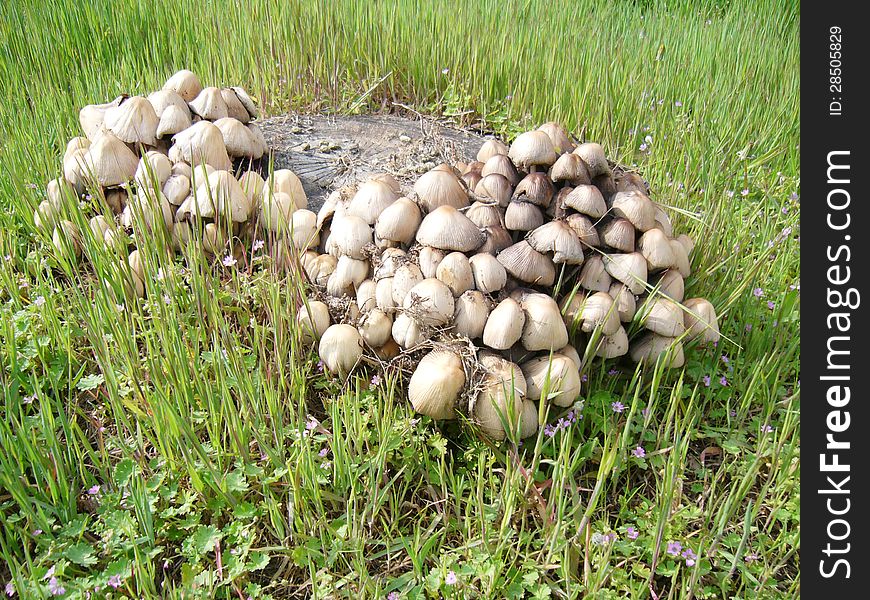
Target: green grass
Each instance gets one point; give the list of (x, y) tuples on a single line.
[(191, 415)]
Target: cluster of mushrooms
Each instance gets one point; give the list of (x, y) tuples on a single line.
[(501, 279), (494, 283)]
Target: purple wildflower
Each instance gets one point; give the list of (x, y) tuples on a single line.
[(49, 573), (751, 557), (28, 399), (549, 430), (37, 532), (9, 589), (631, 532), (678, 103), (748, 327), (639, 452), (729, 193), (732, 413), (320, 366), (229, 260), (393, 596), (674, 548), (758, 292), (706, 380), (55, 587), (744, 192), (257, 245), (40, 300), (644, 412), (617, 406), (376, 380), (725, 359), (323, 452), (310, 424), (794, 197), (771, 304), (643, 147), (451, 578), (114, 581), (584, 378), (445, 71), (785, 210), (613, 372), (327, 465), (723, 380), (766, 428), (94, 490), (690, 557)]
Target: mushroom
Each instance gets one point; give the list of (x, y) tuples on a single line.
[(185, 83), (436, 384), (340, 348), (504, 327), (490, 148), (500, 164), (528, 265), (313, 320), (370, 200), (497, 239), (681, 258), (209, 104), (429, 258), (543, 328), (399, 221), (662, 315), (619, 235), (593, 275), (67, 239), (671, 284), (594, 157), (349, 273), (656, 249), (200, 143), (366, 296), (303, 229), (558, 136), (485, 215), (407, 331), (375, 327), (535, 188), (285, 180), (446, 228), (612, 346), (439, 188), (701, 321), (246, 101), (238, 139), (599, 311), (584, 229), (500, 402), (495, 187), (652, 347), (386, 264), (532, 149), (571, 170), (489, 274), (222, 196), (455, 272), (384, 295), (93, 116), (349, 235), (110, 161), (235, 108), (153, 170), (470, 313), (626, 305), (630, 269), (133, 122), (557, 237), (430, 302), (406, 277), (552, 378), (587, 199), (637, 208), (523, 216)]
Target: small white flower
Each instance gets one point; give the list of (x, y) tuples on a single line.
[(40, 300), (229, 260), (258, 245)]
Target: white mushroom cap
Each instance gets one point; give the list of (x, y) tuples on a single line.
[(554, 378), (599, 311), (544, 328), (662, 315), (238, 139), (436, 384), (455, 272), (619, 235), (560, 239), (366, 296), (313, 320), (370, 200), (672, 285), (349, 273), (594, 157), (221, 195), (438, 188), (163, 99), (630, 269), (571, 169), (134, 121), (285, 180), (490, 148), (681, 258), (429, 258), (375, 327), (593, 275), (701, 321), (448, 229), (303, 229), (340, 348), (500, 164), (558, 136), (637, 208), (485, 215), (532, 149), (407, 331), (501, 399), (92, 116), (526, 264), (489, 274), (470, 314), (349, 235), (651, 347), (405, 278), (505, 325), (384, 295), (523, 216), (235, 108), (613, 346), (656, 249), (202, 142), (497, 239), (110, 161), (173, 120), (153, 168), (584, 229), (388, 262), (626, 305), (399, 221), (430, 302), (209, 104), (185, 83), (587, 199), (495, 187)]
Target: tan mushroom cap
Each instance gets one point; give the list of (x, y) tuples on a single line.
[(500, 164), (662, 315), (571, 169), (594, 157), (543, 328), (399, 221), (209, 104), (133, 122), (489, 274), (173, 120), (619, 235), (185, 83), (527, 264), (438, 188), (490, 148), (701, 321), (370, 200), (238, 139), (201, 143), (586, 199), (110, 161), (599, 311), (504, 327), (560, 239), (470, 314), (436, 384), (612, 346), (593, 275), (285, 180), (448, 229), (655, 247), (523, 216), (637, 208), (246, 101), (558, 136), (652, 347), (554, 378), (630, 269), (235, 108), (532, 149), (221, 195), (495, 187), (92, 116), (430, 302)]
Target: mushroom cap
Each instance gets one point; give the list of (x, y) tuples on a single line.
[(238, 139), (587, 199), (594, 157), (626, 305), (176, 189), (349, 235), (558, 136), (560, 239), (612, 346), (201, 143), (173, 120), (501, 399), (285, 180), (571, 169), (504, 327), (438, 188), (470, 313), (454, 271), (388, 262), (700, 320), (246, 101), (485, 215), (384, 295), (655, 247), (584, 229), (407, 331), (535, 188), (593, 275), (405, 278), (76, 143), (92, 116), (629, 268), (496, 187), (448, 229), (489, 274), (429, 258), (67, 239), (651, 347), (163, 99), (303, 229), (544, 328), (133, 122), (185, 83), (110, 161), (681, 258), (235, 108), (662, 315), (222, 196), (523, 216), (253, 184), (340, 348), (663, 221), (375, 327), (153, 170), (366, 296), (687, 243), (59, 191), (209, 104), (672, 285), (399, 221), (553, 378), (526, 264), (313, 320), (532, 149), (430, 302), (500, 164), (599, 311), (349, 273), (636, 207), (436, 384), (619, 235), (370, 200), (497, 239), (490, 148)]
